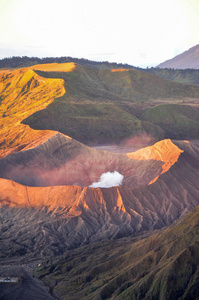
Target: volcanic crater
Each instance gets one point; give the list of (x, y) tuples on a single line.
[(159, 185), (63, 161)]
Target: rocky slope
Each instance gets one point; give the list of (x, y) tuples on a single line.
[(162, 266), (62, 217), (186, 60)]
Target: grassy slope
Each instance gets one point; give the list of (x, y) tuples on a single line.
[(162, 266), (99, 106), (177, 121), (128, 85), (105, 106), (188, 76)]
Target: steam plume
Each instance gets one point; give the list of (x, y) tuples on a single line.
[(108, 180)]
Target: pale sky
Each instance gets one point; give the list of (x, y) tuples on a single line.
[(138, 32)]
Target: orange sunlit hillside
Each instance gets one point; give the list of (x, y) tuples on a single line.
[(164, 151), (119, 70), (23, 92), (55, 67), (71, 199), (14, 194)]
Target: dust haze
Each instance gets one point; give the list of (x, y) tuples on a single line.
[(128, 145)]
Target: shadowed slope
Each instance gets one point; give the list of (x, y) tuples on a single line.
[(162, 266), (28, 288)]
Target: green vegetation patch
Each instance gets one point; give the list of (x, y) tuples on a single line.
[(188, 76), (87, 122), (177, 121)]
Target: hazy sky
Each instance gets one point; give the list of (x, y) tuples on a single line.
[(138, 32)]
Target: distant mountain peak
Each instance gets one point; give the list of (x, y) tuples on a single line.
[(186, 60)]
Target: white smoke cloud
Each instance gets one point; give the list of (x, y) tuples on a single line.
[(108, 180)]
